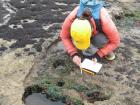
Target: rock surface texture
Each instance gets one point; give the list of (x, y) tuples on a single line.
[(29, 47)]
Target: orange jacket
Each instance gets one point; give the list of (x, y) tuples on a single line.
[(108, 28)]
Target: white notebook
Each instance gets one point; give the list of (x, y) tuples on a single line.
[(91, 65)]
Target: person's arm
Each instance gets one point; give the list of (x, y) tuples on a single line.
[(110, 31), (65, 33)]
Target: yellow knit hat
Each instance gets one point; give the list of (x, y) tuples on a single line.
[(81, 33)]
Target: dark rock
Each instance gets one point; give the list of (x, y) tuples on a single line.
[(38, 46), (119, 78), (129, 101), (17, 4), (27, 49), (131, 42), (38, 7), (131, 72), (121, 69), (22, 43), (58, 63), (60, 83), (138, 81), (107, 74), (125, 93), (118, 17), (31, 53), (96, 96), (3, 48), (18, 54), (34, 9)]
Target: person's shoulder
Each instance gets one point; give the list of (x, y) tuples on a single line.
[(74, 11), (103, 12), (104, 16)]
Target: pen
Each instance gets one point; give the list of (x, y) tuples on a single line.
[(81, 71)]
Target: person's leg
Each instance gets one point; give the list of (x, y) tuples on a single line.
[(96, 42), (99, 41)]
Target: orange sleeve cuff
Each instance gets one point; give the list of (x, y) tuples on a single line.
[(100, 53)]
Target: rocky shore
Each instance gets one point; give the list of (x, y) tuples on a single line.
[(31, 53)]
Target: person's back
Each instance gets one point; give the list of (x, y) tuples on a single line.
[(94, 6)]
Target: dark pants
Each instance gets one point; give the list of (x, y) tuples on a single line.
[(98, 41)]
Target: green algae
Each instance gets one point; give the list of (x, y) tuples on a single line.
[(53, 92)]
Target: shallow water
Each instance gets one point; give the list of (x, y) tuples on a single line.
[(40, 99)]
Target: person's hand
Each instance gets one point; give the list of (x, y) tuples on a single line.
[(96, 57), (77, 60), (94, 60)]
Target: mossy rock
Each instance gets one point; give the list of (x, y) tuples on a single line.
[(53, 92), (77, 102), (73, 101), (46, 80), (61, 65), (132, 14), (80, 88), (96, 95)]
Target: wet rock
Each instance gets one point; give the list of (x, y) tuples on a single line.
[(3, 48), (38, 46), (18, 54), (127, 56), (107, 74), (96, 96), (26, 14), (27, 49), (17, 4), (13, 26), (31, 53), (132, 43), (138, 81), (60, 83), (6, 13), (137, 86), (120, 69), (117, 12), (27, 21), (21, 43), (129, 101), (42, 19), (58, 62), (131, 72), (119, 78)]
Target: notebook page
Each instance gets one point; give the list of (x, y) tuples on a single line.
[(91, 65)]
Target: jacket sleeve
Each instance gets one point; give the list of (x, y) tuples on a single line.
[(111, 33), (65, 32)]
